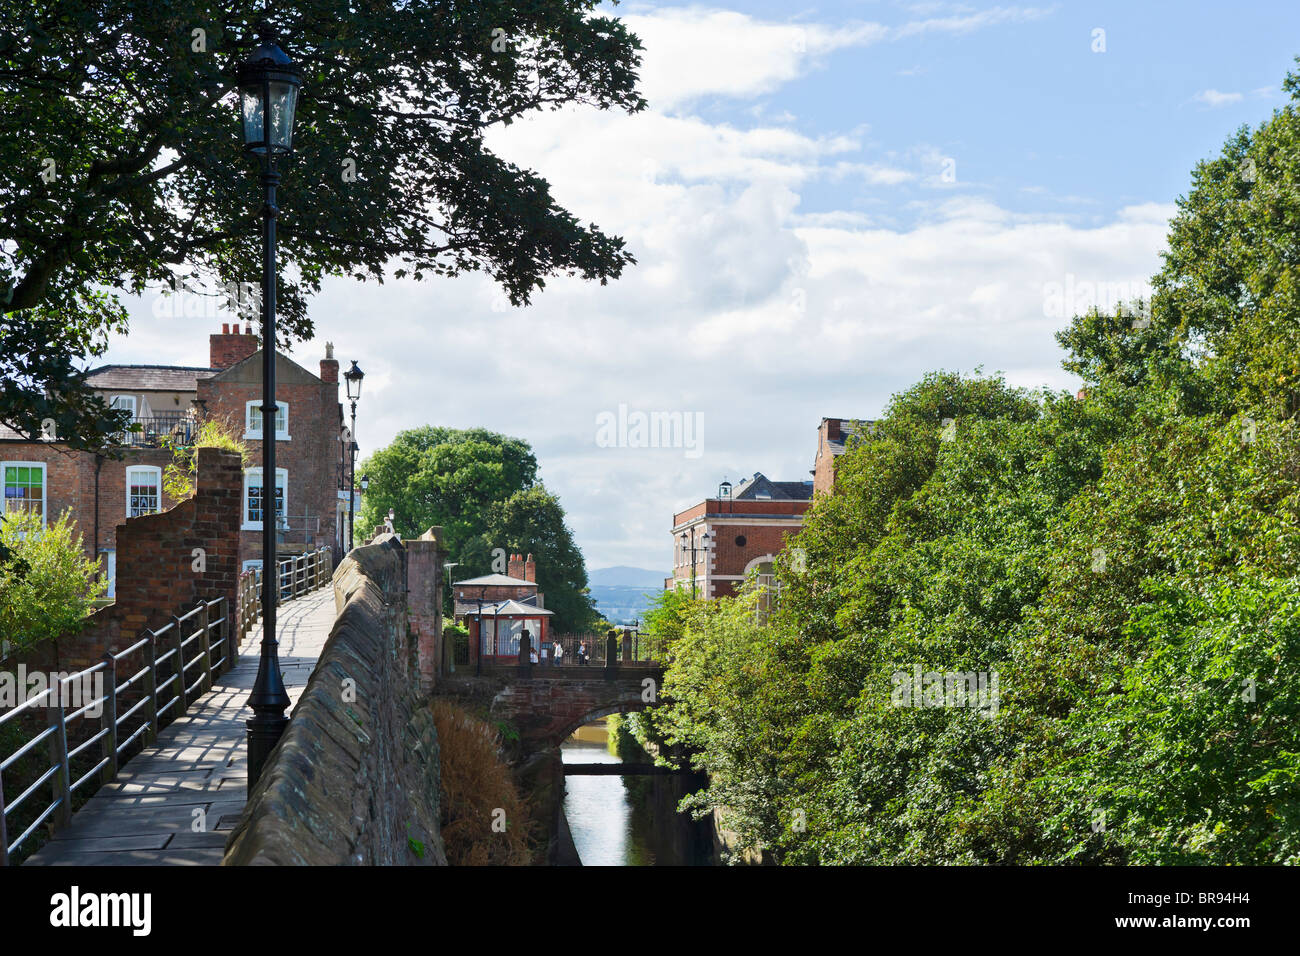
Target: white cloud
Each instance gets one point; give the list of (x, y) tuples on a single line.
[(1214, 99), (743, 306), (697, 52)]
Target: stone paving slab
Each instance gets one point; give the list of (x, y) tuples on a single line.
[(145, 817)]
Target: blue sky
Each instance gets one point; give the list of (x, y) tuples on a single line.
[(826, 202)]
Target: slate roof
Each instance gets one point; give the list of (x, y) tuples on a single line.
[(760, 485), (499, 580), (148, 378), (511, 609), (848, 426)]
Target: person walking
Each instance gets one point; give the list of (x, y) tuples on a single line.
[(559, 654), (582, 654)]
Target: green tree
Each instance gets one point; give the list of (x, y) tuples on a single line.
[(532, 522), (444, 476), (123, 162), (481, 488), (47, 584)]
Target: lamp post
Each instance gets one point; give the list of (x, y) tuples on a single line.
[(353, 377), (478, 655), (268, 92), (705, 540)]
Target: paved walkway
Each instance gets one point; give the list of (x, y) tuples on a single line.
[(146, 817)]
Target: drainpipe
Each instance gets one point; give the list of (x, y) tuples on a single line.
[(99, 463)]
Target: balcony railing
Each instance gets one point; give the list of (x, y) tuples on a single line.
[(151, 431)]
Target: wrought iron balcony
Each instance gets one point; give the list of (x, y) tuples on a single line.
[(152, 431)]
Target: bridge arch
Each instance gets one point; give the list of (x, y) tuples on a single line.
[(547, 710), (567, 731)]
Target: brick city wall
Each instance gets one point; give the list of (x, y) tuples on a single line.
[(176, 558), (424, 557)]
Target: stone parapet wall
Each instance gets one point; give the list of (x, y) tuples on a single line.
[(354, 780)]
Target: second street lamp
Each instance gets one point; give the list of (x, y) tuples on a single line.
[(353, 377), (268, 93)]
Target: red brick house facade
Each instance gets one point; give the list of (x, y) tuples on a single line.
[(735, 534), (103, 489)]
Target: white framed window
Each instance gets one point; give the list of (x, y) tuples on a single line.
[(25, 487), (253, 420), (143, 490), (124, 403), (254, 498)]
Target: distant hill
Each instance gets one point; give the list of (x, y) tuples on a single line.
[(623, 576), (623, 594)]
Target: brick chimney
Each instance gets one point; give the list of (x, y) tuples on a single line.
[(530, 570), (329, 366), (231, 346), (516, 567)]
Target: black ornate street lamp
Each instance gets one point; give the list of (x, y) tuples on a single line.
[(704, 541), (353, 377), (268, 94)]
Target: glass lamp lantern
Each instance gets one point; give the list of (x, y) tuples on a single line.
[(268, 88), (353, 377)]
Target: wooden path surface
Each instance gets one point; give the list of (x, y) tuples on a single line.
[(174, 804)]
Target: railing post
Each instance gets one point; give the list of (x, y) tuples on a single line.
[(206, 641), (59, 757), (180, 664), (151, 684), (293, 579), (227, 633), (4, 830), (110, 717)]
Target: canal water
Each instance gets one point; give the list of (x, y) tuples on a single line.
[(625, 821)]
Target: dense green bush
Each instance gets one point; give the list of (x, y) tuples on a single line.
[(47, 584)]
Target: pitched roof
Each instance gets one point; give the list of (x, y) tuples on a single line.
[(148, 378), (849, 427), (512, 609), (287, 371), (500, 580), (762, 487)]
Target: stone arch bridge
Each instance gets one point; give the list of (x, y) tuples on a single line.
[(547, 704)]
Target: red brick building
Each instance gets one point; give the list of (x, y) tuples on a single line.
[(124, 480), (717, 542), (833, 435), (503, 605)]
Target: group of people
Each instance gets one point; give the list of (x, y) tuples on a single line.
[(583, 654)]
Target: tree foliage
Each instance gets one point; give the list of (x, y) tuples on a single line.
[(1125, 562), (482, 489), (123, 164)]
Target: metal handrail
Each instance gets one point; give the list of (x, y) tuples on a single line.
[(296, 575), (219, 631)]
